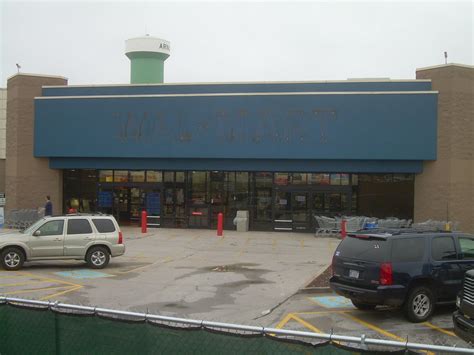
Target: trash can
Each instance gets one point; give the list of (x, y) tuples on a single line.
[(241, 220)]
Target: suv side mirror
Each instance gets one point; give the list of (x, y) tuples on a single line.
[(37, 233)]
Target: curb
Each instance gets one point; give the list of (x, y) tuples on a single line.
[(307, 290)]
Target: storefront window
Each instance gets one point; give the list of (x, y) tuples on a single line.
[(388, 178), (402, 177), (217, 176), (218, 190), (180, 176), (319, 179), (263, 180), (379, 178), (80, 190), (355, 179), (87, 202), (324, 179), (345, 179), (229, 183), (72, 188), (334, 202), (106, 176), (198, 187), (335, 179), (137, 176), (354, 201), (318, 203), (344, 202), (153, 176), (281, 179), (365, 178), (242, 182), (168, 176), (241, 190), (121, 176), (300, 179), (263, 200)]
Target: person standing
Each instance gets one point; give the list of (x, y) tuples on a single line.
[(48, 207)]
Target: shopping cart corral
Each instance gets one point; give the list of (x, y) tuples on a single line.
[(21, 219), (333, 225)]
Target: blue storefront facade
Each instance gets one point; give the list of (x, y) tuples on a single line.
[(282, 151)]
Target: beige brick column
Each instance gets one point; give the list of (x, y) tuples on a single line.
[(446, 186), (28, 179)]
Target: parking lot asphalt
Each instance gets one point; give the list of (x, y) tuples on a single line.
[(247, 278), (329, 313), (185, 273)]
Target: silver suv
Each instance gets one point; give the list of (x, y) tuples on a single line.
[(93, 238)]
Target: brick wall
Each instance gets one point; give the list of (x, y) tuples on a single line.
[(28, 179), (446, 186)]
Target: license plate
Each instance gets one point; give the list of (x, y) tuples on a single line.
[(354, 274)]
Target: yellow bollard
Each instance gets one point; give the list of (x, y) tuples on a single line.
[(448, 226)]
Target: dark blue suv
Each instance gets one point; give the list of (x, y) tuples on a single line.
[(409, 269)]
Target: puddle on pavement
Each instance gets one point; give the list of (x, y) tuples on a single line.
[(248, 270)]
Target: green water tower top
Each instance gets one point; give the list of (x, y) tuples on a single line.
[(147, 58)]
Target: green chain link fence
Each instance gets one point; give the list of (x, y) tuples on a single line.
[(28, 329)]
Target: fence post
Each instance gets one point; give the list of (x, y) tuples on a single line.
[(144, 222), (220, 224)]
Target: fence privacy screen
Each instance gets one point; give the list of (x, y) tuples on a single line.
[(42, 330)]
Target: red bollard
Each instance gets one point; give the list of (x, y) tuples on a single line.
[(343, 228), (144, 222), (220, 224)]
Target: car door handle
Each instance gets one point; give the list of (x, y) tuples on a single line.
[(58, 239), (88, 238)]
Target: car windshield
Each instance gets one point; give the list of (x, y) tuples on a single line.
[(32, 227)]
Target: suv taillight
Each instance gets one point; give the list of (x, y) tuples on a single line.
[(386, 274), (120, 241)]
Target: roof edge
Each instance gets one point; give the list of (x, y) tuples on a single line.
[(39, 75), (248, 82), (302, 93), (466, 66)]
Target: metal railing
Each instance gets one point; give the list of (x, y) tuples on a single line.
[(362, 341)]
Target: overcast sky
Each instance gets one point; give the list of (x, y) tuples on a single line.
[(236, 41)]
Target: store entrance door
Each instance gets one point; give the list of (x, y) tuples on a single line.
[(126, 203), (145, 199), (282, 214), (301, 212), (174, 213), (121, 206), (290, 211)]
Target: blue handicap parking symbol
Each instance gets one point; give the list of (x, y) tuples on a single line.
[(333, 301), (82, 274)]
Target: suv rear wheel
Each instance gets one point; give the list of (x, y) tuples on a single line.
[(420, 304), (97, 257), (12, 258), (363, 306)]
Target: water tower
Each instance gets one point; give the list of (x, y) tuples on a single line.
[(147, 58)]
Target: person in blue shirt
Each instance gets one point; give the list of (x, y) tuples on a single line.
[(48, 207)]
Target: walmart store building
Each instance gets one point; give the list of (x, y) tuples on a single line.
[(284, 151)]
